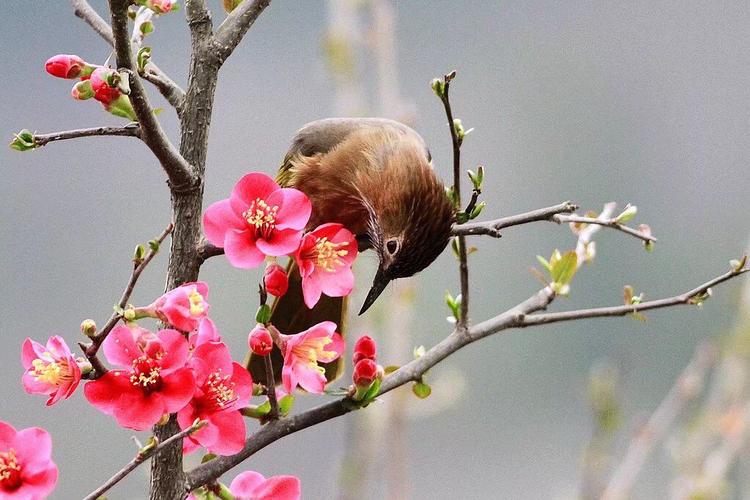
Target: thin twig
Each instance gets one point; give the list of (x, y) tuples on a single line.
[(141, 457), (168, 88), (414, 370), (684, 390), (493, 227), (128, 131), (463, 266), (603, 221), (271, 388), (178, 170), (96, 341), (233, 29)]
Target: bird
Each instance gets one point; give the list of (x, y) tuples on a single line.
[(374, 176)]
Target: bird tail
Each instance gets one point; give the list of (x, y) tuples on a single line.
[(290, 315)]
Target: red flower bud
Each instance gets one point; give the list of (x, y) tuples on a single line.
[(65, 66), (365, 348), (260, 341), (102, 91), (276, 280), (365, 373)]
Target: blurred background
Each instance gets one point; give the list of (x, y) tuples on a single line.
[(642, 102)]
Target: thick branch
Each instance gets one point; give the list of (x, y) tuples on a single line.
[(681, 393), (141, 457), (414, 370), (178, 170), (167, 87), (233, 29), (43, 139)]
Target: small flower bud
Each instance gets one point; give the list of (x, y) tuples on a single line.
[(103, 91), (82, 90), (88, 327), (259, 340), (438, 86), (65, 66), (158, 6), (276, 280), (364, 348), (365, 373)]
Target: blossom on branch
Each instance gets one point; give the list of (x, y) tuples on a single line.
[(303, 351), (107, 93), (27, 471), (275, 280), (183, 307), (325, 259), (158, 6), (365, 348), (260, 341), (50, 369), (67, 66), (258, 219), (222, 388), (251, 485), (206, 332), (154, 379)]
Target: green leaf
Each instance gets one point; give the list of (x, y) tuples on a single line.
[(390, 369), (23, 141), (143, 57), (627, 214), (421, 390), (263, 315), (438, 86), (285, 404), (564, 268), (139, 253), (477, 210), (738, 265), (544, 262), (207, 457), (154, 245)]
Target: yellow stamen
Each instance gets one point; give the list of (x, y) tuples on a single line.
[(197, 305), (10, 470), (329, 254), (261, 216), (51, 373), (221, 390)]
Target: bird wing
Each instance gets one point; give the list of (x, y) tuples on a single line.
[(321, 136)]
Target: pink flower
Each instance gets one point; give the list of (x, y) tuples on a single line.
[(259, 340), (365, 348), (222, 389), (206, 332), (251, 485), (302, 353), (103, 92), (158, 6), (325, 259), (154, 379), (276, 280), (258, 219), (65, 66), (50, 370), (365, 373), (184, 307), (26, 468)]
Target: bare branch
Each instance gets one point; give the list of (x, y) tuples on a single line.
[(207, 250), (178, 170), (128, 131), (233, 29), (603, 221), (493, 227), (414, 370), (83, 10), (96, 341), (684, 390), (141, 457)]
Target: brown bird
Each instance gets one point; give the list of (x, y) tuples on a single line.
[(375, 177)]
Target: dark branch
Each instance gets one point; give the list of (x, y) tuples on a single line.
[(178, 170), (43, 139), (83, 10), (141, 457), (233, 29), (493, 227)]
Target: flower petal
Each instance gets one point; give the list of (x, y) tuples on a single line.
[(294, 208), (231, 431), (243, 486), (218, 219), (250, 187), (120, 347), (281, 242), (177, 390), (241, 251)]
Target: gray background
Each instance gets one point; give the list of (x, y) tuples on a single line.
[(643, 101)]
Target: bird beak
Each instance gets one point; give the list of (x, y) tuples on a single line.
[(378, 285)]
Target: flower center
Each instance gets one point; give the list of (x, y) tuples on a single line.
[(10, 471), (262, 217), (197, 305), (328, 254), (146, 374), (53, 373), (219, 391), (313, 350)]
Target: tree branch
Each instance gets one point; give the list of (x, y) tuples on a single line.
[(141, 457), (414, 370), (178, 170), (681, 393), (167, 87), (96, 340), (128, 131), (608, 222), (233, 29)]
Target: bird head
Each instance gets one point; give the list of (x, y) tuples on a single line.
[(408, 228)]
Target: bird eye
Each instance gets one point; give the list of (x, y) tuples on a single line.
[(391, 246)]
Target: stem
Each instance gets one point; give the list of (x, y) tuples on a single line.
[(128, 131), (493, 227), (271, 388)]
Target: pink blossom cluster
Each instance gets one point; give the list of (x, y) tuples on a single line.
[(260, 219), (95, 81)]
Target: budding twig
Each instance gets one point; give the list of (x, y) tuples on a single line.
[(493, 227), (128, 131), (143, 455), (603, 221), (96, 340)]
